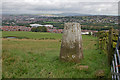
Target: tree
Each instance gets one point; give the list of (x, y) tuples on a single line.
[(39, 29), (33, 29)]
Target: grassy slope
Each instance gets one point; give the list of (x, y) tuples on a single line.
[(40, 58)]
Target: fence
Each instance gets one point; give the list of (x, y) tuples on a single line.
[(115, 67), (107, 42)]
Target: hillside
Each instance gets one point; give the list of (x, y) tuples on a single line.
[(37, 56)]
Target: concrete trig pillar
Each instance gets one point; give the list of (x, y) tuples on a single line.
[(71, 46)]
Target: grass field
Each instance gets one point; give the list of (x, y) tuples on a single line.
[(37, 58), (32, 35)]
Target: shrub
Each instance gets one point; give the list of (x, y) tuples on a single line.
[(39, 29)]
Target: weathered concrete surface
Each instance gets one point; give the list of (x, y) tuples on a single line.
[(71, 46)]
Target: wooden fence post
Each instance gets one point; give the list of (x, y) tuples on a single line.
[(110, 46)]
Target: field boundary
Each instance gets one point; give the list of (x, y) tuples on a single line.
[(107, 42)]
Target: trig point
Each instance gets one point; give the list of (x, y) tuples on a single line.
[(71, 46)]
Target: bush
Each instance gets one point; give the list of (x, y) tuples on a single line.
[(39, 29)]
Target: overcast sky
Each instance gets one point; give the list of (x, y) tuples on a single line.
[(98, 7)]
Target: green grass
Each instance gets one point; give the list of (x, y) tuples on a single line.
[(29, 58), (32, 35)]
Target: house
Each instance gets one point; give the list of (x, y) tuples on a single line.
[(87, 32), (15, 28), (55, 30)]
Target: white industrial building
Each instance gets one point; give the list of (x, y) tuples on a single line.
[(37, 25), (85, 33), (48, 26)]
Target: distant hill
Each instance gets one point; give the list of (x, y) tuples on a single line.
[(72, 14), (59, 15)]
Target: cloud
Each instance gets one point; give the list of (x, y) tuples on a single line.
[(60, 6)]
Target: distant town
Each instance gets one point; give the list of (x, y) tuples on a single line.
[(49, 28), (55, 24)]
